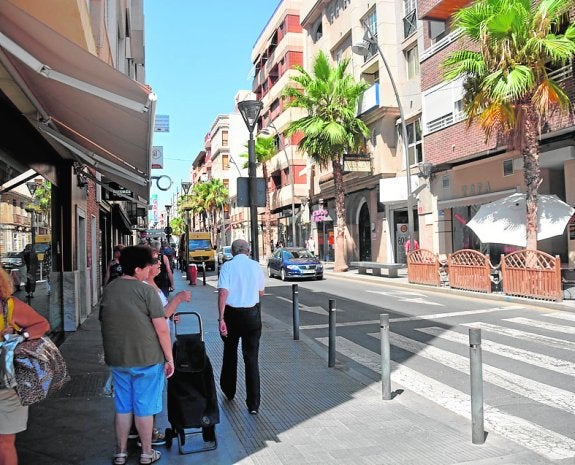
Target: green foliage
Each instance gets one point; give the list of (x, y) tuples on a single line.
[(330, 97), (516, 45)]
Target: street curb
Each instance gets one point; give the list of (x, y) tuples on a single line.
[(446, 291)]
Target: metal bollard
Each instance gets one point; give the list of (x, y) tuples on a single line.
[(331, 347), (295, 310), (204, 272), (476, 376), (385, 357)]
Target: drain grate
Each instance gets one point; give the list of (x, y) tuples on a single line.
[(84, 385)]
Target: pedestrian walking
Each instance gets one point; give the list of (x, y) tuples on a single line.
[(137, 349), (240, 286), (114, 269), (31, 261), (310, 245), (13, 415)]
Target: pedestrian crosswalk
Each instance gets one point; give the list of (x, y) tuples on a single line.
[(522, 366)]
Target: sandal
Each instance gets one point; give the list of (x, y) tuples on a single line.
[(146, 459), (120, 458)]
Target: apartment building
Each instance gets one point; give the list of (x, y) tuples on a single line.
[(376, 191), (469, 171), (276, 51), (222, 158)]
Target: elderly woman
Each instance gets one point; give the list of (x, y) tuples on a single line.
[(13, 415), (137, 348)]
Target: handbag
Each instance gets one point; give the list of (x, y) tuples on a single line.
[(39, 367)]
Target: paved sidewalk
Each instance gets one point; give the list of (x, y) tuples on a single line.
[(310, 414)]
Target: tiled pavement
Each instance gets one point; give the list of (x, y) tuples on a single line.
[(310, 414)]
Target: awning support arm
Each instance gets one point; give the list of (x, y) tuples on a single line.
[(93, 159), (40, 68)]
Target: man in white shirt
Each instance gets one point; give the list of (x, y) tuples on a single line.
[(240, 286)]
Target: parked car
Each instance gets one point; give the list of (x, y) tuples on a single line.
[(294, 262), (225, 254), (12, 260)]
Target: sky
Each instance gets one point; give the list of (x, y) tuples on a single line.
[(198, 55)]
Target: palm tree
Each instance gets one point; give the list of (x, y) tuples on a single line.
[(508, 87), (216, 196), (266, 148), (330, 128)]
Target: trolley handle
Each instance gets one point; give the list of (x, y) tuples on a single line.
[(190, 313)]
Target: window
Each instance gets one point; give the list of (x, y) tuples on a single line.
[(225, 161), (437, 30), (317, 31), (225, 138), (508, 167), (371, 20), (409, 18), (415, 147), (412, 62), (445, 182)]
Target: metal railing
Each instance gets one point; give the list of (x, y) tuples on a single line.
[(436, 47)]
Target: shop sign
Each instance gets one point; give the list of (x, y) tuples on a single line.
[(117, 189), (319, 216), (358, 162)]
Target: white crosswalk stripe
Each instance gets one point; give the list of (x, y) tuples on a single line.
[(543, 441), (525, 335), (540, 392), (519, 353), (562, 316), (543, 325), (533, 358)]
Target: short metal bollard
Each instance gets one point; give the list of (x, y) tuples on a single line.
[(476, 376), (295, 311), (385, 357), (331, 338), (204, 272)]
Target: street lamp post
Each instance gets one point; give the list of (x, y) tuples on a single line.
[(185, 189), (363, 50), (292, 182), (168, 228), (250, 111)]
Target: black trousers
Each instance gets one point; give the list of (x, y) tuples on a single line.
[(244, 324)]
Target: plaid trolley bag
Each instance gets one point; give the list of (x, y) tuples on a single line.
[(192, 400)]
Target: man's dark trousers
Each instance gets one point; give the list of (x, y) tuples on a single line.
[(244, 323)]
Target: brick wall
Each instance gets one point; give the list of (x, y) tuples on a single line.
[(455, 142)]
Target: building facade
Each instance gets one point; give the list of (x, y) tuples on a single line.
[(376, 201), (469, 171), (78, 115)]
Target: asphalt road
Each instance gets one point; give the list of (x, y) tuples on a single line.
[(528, 352)]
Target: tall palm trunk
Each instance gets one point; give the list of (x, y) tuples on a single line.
[(340, 258), (268, 237), (531, 171)]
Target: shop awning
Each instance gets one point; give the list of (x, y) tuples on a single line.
[(479, 199), (102, 116)]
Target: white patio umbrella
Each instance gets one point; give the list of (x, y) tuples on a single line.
[(504, 221)]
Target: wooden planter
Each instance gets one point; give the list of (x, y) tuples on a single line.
[(532, 273)]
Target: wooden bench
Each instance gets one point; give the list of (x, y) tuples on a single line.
[(376, 268)]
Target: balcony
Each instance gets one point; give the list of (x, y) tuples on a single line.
[(442, 9), (445, 121), (369, 100)]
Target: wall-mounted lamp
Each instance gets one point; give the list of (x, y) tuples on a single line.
[(81, 179), (425, 170)]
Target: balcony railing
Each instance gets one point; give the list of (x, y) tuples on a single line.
[(445, 121), (409, 24), (562, 74), (436, 47)]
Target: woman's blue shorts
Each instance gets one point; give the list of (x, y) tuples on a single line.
[(138, 390)]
